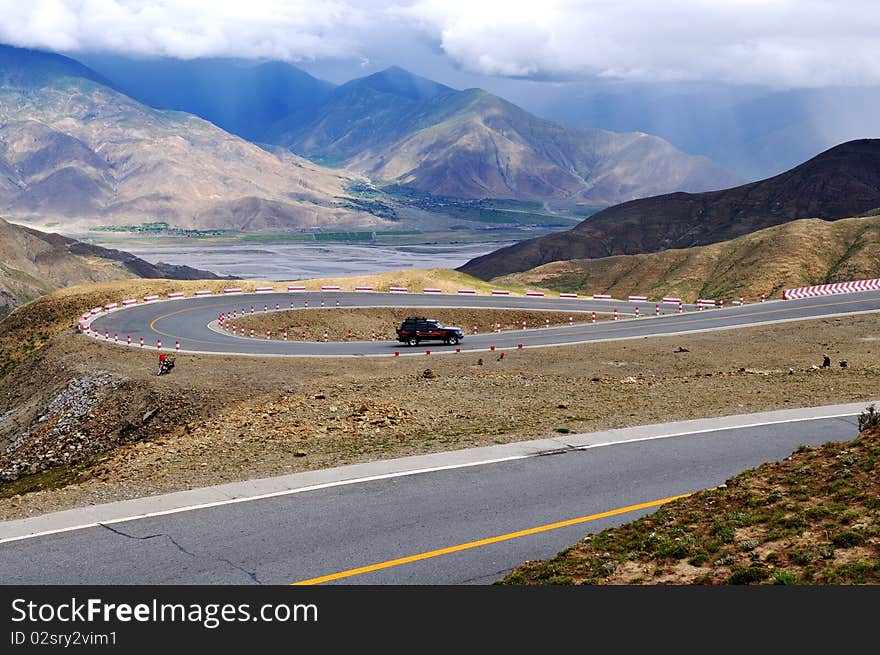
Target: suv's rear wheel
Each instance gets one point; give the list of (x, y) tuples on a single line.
[(412, 341), (453, 340)]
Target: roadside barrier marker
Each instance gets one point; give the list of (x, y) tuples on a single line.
[(326, 336), (637, 311), (546, 321), (285, 335), (615, 314), (593, 317), (177, 346), (524, 324), (657, 309), (475, 328), (373, 335), (158, 344), (128, 340), (116, 337), (268, 334), (142, 342), (570, 319)]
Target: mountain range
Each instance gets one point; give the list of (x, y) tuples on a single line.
[(841, 182), (74, 152), (400, 128)]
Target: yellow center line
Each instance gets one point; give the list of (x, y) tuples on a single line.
[(181, 311), (485, 542)]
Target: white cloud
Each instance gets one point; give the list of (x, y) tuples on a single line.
[(777, 42), (277, 29)]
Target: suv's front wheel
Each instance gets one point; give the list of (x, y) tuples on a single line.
[(453, 340), (412, 341)]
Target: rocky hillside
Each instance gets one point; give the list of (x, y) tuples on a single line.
[(799, 253), (34, 263), (73, 150), (397, 127), (840, 183)]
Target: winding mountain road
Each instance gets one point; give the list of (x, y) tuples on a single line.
[(462, 517), (192, 321)]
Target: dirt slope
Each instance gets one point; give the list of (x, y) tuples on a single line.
[(799, 253)]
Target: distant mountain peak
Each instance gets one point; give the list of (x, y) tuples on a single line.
[(401, 82)]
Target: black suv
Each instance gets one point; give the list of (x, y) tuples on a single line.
[(417, 328)]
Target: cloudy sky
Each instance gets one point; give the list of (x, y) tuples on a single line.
[(777, 43)]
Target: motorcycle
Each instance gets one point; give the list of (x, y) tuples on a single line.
[(166, 365)]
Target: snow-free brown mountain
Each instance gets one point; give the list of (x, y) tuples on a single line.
[(74, 151), (396, 127), (841, 182), (34, 263)]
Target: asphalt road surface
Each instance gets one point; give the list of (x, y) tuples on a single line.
[(448, 518), (189, 321)]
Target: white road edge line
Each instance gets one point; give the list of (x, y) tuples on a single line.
[(398, 474)]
